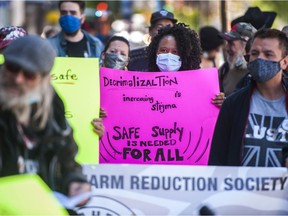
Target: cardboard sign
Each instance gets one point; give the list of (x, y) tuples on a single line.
[(76, 80), (158, 117)]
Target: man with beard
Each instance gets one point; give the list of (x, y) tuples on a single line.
[(235, 67), (34, 135), (72, 41), (252, 126)]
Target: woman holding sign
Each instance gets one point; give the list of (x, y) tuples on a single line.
[(177, 48), (115, 55)]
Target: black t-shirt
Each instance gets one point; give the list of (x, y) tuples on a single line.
[(77, 49)]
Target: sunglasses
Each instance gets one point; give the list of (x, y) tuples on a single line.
[(15, 69)]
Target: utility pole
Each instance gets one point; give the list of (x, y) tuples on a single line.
[(223, 20), (17, 15), (223, 15)]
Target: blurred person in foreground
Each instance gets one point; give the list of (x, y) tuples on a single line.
[(72, 41), (235, 67), (34, 134), (177, 48), (139, 57), (252, 127), (211, 44), (9, 34)]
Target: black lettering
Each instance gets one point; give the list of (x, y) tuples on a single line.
[(170, 157), (136, 154), (178, 156), (146, 153), (66, 76), (160, 153), (129, 133), (154, 129), (126, 151), (106, 81), (119, 133)]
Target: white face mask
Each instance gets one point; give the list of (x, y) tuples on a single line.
[(168, 62)]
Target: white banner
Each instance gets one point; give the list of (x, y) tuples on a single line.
[(184, 190)]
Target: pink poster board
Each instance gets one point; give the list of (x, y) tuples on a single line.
[(158, 117)]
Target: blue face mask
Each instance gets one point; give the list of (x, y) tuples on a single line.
[(263, 70), (70, 24)]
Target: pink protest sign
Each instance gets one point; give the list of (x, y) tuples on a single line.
[(158, 117)]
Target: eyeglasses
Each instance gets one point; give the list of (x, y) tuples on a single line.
[(15, 69)]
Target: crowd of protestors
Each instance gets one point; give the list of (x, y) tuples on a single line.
[(33, 127)]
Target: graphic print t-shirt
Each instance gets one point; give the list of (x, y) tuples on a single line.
[(266, 132)]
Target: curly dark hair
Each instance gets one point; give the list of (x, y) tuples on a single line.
[(188, 45)]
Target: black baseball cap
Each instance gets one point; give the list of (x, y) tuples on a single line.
[(162, 14)]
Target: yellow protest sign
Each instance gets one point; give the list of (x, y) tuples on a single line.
[(76, 80), (1, 59), (27, 195)]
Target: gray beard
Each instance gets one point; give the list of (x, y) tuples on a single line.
[(239, 63)]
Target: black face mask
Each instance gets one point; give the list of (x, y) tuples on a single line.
[(263, 70)]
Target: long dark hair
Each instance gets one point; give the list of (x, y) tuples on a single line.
[(188, 45)]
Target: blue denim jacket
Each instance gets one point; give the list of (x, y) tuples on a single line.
[(94, 45)]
